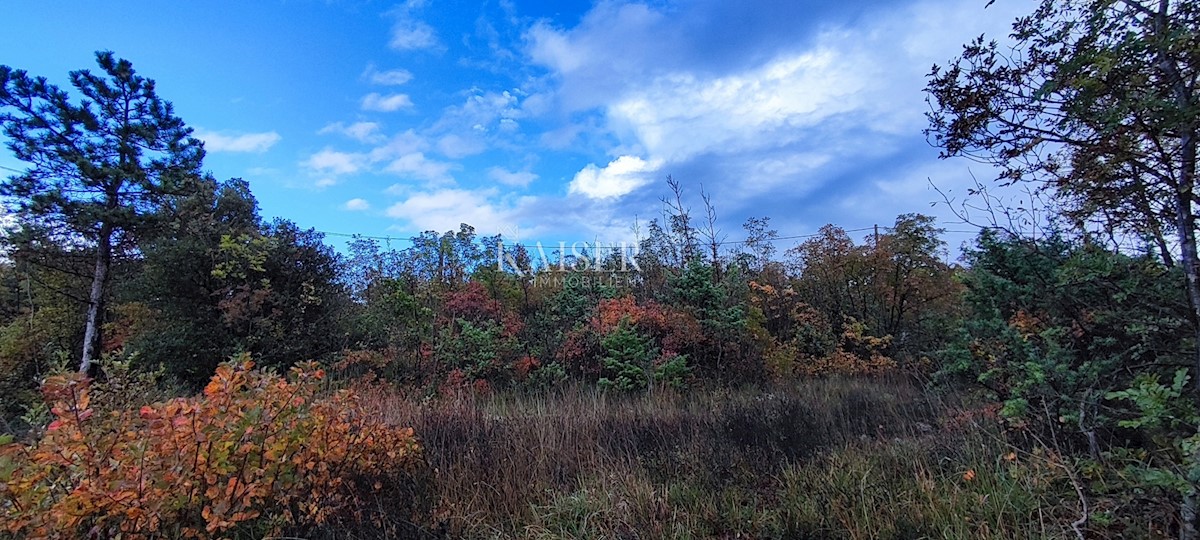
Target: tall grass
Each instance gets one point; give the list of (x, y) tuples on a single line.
[(826, 458)]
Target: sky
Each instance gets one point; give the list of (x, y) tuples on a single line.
[(544, 121)]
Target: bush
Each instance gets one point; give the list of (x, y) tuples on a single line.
[(256, 454)]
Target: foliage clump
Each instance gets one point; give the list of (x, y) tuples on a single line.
[(257, 453)]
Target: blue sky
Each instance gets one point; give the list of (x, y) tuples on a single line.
[(544, 121)]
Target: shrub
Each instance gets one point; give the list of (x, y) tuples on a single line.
[(255, 454)]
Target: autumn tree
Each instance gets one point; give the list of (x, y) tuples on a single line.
[(894, 284), (97, 167), (916, 292)]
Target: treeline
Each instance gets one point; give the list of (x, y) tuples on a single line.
[(213, 280), (454, 307)]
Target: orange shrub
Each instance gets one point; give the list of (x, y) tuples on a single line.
[(857, 354), (256, 454)]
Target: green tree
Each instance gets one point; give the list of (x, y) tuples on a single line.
[(632, 362), (178, 280), (97, 167), (917, 295), (1058, 331), (1097, 102), (722, 318)]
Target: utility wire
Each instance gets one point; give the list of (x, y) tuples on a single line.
[(722, 243)]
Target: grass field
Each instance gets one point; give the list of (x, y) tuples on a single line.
[(832, 458)]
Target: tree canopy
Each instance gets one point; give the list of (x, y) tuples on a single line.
[(98, 168)]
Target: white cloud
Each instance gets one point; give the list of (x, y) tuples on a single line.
[(511, 178), (619, 31), (416, 165), (356, 205), (390, 77), (620, 177), (766, 118), (8, 220), (385, 103), (330, 161), (445, 209), (246, 142), (398, 145), (326, 182), (402, 155), (458, 146), (483, 120), (412, 34), (679, 116), (359, 131), (409, 32)]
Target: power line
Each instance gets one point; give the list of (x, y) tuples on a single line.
[(410, 239)]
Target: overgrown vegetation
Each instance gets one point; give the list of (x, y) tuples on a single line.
[(690, 387), (254, 455)]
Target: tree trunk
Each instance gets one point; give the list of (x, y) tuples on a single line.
[(95, 313), (1185, 228), (1185, 225)]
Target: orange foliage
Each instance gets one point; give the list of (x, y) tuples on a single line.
[(473, 303), (610, 312), (523, 367), (132, 319), (1025, 323), (845, 363), (256, 452), (674, 330), (370, 359), (857, 354)]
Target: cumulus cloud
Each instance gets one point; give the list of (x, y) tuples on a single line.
[(679, 116), (401, 155), (356, 205), (457, 146), (330, 161), (245, 142), (416, 165), (764, 114), (390, 77), (620, 177), (511, 178), (411, 34), (445, 209), (485, 118), (360, 131), (398, 145), (385, 103)]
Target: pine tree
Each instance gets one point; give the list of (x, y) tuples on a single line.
[(98, 167)]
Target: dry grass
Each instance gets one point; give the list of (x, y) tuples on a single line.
[(831, 458)]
